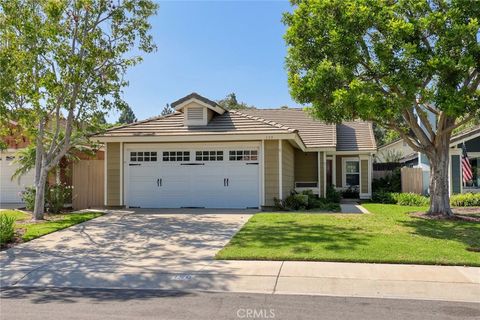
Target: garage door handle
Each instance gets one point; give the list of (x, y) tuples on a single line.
[(224, 182), (158, 182), (228, 181)]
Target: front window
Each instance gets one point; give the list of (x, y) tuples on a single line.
[(352, 173)]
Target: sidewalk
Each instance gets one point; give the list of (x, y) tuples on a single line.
[(448, 283)]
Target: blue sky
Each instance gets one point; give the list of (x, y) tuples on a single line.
[(213, 48)]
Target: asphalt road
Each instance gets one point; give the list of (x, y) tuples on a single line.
[(62, 304)]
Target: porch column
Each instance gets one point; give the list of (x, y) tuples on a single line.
[(322, 165), (280, 173), (365, 176)]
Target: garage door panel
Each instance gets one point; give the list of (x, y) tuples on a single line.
[(193, 183)]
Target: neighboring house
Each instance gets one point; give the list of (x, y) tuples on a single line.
[(83, 180), (411, 158), (10, 189), (205, 156)]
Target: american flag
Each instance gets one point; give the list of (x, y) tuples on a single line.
[(466, 167)]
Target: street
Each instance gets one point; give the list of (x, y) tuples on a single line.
[(69, 303)]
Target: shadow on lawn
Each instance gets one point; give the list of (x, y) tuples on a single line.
[(454, 230), (300, 238)]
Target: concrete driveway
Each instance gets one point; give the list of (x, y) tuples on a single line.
[(125, 249)]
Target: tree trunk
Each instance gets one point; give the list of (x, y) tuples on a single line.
[(439, 182), (39, 209)]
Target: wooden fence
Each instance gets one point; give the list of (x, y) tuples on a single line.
[(87, 182), (412, 180)]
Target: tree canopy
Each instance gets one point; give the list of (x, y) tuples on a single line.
[(410, 66), (127, 115), (230, 102), (62, 67)]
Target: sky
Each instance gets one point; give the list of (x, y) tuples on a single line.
[(212, 48)]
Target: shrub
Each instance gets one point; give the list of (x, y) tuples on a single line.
[(465, 200), (332, 195), (351, 193), (390, 183), (56, 196), (7, 230), (28, 196), (385, 197), (305, 200), (411, 199)]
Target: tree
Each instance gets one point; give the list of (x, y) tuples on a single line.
[(62, 65), (410, 66), (127, 115), (167, 110), (230, 102)]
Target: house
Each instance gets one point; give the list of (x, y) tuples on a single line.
[(409, 157), (10, 189), (81, 175), (205, 156)]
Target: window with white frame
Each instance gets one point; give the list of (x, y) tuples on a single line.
[(351, 172), (243, 155), (209, 155), (173, 156), (143, 156)]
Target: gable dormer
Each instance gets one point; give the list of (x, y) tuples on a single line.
[(197, 110)]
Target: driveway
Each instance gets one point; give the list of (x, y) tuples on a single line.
[(125, 249)]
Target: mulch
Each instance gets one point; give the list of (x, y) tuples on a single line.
[(470, 214)]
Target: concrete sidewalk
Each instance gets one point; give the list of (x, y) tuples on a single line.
[(272, 277)]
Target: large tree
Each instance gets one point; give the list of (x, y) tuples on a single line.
[(410, 66), (62, 65), (230, 102), (127, 115)]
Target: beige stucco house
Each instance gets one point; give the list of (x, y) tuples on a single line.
[(205, 156)]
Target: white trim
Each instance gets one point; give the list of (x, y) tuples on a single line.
[(121, 173), (262, 172), (344, 171), (280, 176), (220, 137), (195, 100), (319, 186), (324, 175), (105, 174), (334, 170)]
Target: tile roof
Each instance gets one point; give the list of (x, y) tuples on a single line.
[(227, 123), (349, 136), (314, 133), (355, 135)]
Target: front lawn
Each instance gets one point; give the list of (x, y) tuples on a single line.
[(387, 235), (27, 230)]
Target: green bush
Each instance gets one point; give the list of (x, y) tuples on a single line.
[(332, 195), (390, 183), (465, 200), (305, 200), (56, 196), (384, 197), (28, 196), (7, 230), (411, 199)]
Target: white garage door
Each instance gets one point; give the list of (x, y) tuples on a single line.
[(198, 177), (10, 189)]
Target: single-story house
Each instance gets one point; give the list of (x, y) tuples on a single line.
[(407, 156), (205, 156)]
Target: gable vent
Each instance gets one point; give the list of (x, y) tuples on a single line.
[(195, 114)]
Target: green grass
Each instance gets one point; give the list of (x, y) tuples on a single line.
[(387, 235), (51, 224)]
